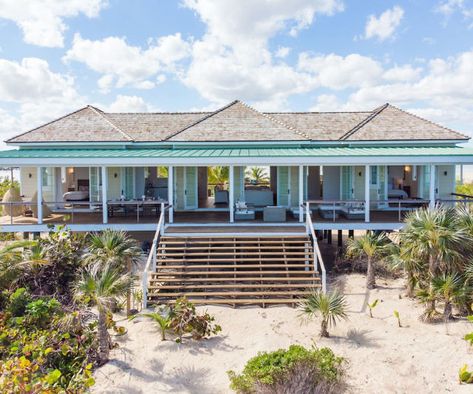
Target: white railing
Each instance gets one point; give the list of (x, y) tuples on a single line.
[(318, 260), (152, 257)]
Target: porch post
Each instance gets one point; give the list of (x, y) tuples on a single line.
[(301, 193), (231, 194), (432, 186), (461, 174), (104, 195), (367, 193), (39, 200), (171, 193)]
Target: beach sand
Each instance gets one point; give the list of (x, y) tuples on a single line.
[(381, 357)]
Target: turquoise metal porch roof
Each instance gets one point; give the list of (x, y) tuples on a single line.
[(234, 152)]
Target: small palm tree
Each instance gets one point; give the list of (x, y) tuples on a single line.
[(162, 320), (331, 307), (435, 237), (449, 288), (116, 248), (370, 246), (102, 286), (218, 175), (257, 175)]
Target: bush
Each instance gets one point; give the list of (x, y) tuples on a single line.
[(295, 370), (18, 302), (185, 320), (45, 349)]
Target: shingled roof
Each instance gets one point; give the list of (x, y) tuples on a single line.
[(238, 122)]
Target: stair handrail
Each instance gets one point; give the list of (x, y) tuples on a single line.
[(318, 260), (152, 256)]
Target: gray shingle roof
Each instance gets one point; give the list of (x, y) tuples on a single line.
[(238, 122)]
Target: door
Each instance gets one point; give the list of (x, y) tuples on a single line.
[(346, 183), (128, 182), (190, 176), (294, 185), (359, 183), (179, 188), (425, 182), (238, 183), (284, 192), (95, 189), (382, 186)]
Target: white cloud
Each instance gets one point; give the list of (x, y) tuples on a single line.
[(402, 73), (32, 80), (282, 52), (385, 25), (128, 104), (41, 21), (126, 65), (337, 72), (450, 7), (232, 59)]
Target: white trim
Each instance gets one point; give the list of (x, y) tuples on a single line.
[(231, 198), (39, 193), (301, 194), (104, 194), (171, 193), (248, 161), (432, 185), (367, 193)]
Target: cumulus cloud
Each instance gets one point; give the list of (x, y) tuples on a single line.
[(402, 73), (126, 65), (42, 21), (338, 72), (384, 26), (124, 103), (282, 52), (232, 60)]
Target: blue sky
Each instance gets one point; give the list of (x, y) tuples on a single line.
[(56, 56)]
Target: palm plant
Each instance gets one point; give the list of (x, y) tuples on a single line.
[(162, 320), (435, 237), (102, 286), (370, 246), (449, 288), (257, 175), (331, 307), (218, 175), (116, 248)]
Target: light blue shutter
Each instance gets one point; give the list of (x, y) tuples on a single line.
[(283, 185), (239, 183), (94, 183), (179, 188), (346, 183), (191, 187)]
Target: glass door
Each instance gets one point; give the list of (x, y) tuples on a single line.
[(191, 197)]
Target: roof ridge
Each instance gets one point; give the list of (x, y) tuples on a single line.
[(99, 112), (429, 121), (158, 113), (316, 112), (368, 119), (275, 120)]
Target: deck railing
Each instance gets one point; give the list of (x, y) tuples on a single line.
[(152, 256), (317, 258)]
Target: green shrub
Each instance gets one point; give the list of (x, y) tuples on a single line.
[(185, 320), (40, 311), (295, 370), (18, 302)]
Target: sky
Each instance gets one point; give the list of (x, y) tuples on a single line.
[(300, 55)]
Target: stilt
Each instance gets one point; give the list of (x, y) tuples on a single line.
[(329, 237), (351, 234), (340, 238)]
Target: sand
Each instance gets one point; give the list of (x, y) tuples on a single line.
[(382, 358)]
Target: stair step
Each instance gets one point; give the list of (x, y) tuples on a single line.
[(197, 273), (227, 293), (236, 247), (234, 266), (188, 252), (237, 301), (236, 259), (212, 242), (247, 285), (240, 279)]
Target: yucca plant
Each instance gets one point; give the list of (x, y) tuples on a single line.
[(331, 307), (102, 286), (370, 246), (449, 288), (436, 237)]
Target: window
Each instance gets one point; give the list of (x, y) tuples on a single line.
[(374, 175), (47, 176)]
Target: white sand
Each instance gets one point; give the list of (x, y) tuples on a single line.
[(382, 358)]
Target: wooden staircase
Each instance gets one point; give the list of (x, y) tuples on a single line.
[(233, 270)]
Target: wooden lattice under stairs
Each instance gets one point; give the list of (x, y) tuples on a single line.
[(233, 270)]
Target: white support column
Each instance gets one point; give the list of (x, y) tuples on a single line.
[(301, 194), (461, 174), (171, 193), (104, 195), (367, 193), (433, 169), (39, 189), (231, 203)]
